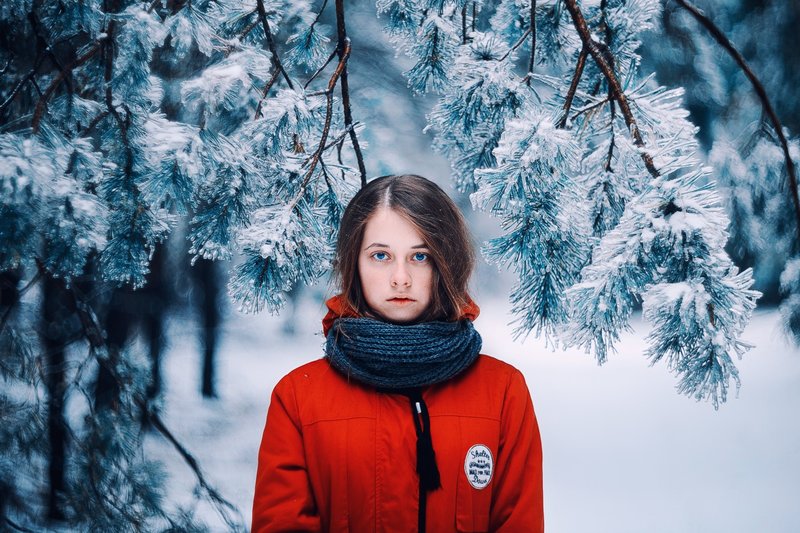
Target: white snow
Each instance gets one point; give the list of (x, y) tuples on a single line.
[(623, 452)]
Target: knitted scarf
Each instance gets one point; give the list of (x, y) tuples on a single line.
[(396, 357)]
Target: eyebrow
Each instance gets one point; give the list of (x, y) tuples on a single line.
[(381, 245)]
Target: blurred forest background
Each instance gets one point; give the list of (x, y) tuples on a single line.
[(88, 318)]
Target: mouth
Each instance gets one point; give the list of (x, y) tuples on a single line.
[(401, 300)]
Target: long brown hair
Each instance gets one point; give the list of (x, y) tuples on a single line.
[(440, 223)]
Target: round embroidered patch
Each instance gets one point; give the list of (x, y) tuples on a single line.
[(479, 466)]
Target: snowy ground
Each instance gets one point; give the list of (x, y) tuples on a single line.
[(623, 451)]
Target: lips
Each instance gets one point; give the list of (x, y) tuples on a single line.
[(401, 300)]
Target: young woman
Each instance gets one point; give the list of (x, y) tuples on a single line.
[(403, 426)]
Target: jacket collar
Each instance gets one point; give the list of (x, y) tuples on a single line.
[(339, 308)]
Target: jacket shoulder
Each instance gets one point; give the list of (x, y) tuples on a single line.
[(313, 373), (487, 364)]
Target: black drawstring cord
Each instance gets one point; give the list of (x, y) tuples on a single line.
[(428, 472), (426, 458)]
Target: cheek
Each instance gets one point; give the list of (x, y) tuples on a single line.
[(367, 275)]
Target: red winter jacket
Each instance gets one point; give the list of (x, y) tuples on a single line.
[(337, 455)]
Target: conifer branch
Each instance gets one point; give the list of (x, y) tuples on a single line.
[(344, 43), (573, 87), (601, 55), (96, 337), (726, 44), (276, 62), (42, 103)]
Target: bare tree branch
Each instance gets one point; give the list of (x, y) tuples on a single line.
[(615, 87), (344, 43), (464, 24), (533, 39), (723, 41), (276, 62)]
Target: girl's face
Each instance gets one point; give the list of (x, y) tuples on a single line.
[(395, 268)]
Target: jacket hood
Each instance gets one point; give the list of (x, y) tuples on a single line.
[(339, 308)]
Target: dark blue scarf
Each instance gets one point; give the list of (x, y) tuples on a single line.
[(396, 357)]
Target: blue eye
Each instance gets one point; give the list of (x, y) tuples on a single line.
[(380, 256), (420, 257)]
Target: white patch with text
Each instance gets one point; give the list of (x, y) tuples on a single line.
[(479, 466)]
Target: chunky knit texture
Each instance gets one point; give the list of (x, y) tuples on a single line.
[(392, 356)]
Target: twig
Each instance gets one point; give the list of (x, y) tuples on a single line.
[(474, 15), (344, 43), (516, 45), (588, 108), (464, 24), (267, 87), (109, 97), (614, 85), (17, 299), (335, 142), (250, 26), (191, 461), (760, 92), (320, 69), (573, 87), (613, 143), (533, 39), (341, 136), (276, 62), (95, 121), (316, 19), (48, 48), (326, 128), (42, 103), (22, 82), (16, 526)]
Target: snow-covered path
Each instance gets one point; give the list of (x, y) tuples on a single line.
[(623, 451)]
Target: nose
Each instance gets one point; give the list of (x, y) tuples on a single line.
[(401, 276)]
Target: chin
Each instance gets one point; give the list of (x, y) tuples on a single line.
[(406, 317)]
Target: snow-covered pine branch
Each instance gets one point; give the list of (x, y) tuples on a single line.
[(604, 137)]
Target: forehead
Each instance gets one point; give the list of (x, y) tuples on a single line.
[(387, 226)]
